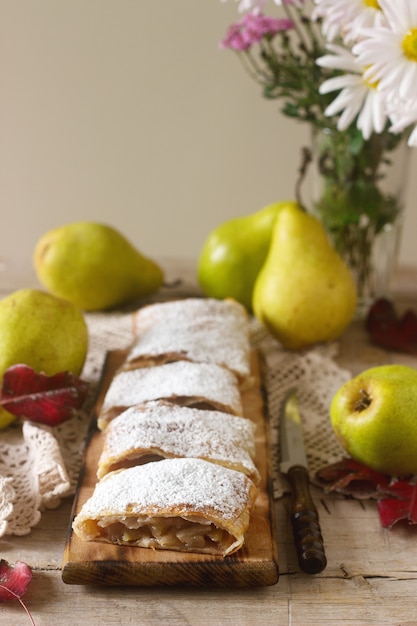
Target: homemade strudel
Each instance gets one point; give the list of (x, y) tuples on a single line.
[(203, 385), (182, 312), (159, 429), (205, 331), (189, 505), (202, 342)]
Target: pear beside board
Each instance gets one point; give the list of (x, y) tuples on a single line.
[(94, 266), (304, 293), (233, 254), (374, 416), (46, 333)]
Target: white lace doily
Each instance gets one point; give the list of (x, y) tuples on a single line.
[(316, 377), (39, 465)]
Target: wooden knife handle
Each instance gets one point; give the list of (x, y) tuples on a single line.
[(305, 523)]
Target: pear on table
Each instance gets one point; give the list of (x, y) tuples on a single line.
[(374, 416), (94, 266), (46, 333), (233, 254), (304, 293)]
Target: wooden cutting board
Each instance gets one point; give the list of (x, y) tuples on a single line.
[(256, 563)]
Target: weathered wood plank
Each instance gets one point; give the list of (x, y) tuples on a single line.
[(297, 600)]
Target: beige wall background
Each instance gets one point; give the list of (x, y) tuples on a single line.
[(127, 112)]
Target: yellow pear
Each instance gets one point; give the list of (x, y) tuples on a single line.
[(233, 254), (304, 293), (94, 266), (44, 332), (374, 416)]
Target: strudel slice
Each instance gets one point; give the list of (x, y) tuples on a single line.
[(159, 429), (200, 330), (199, 341), (189, 505), (182, 312), (193, 384)]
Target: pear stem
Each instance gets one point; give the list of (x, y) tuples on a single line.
[(363, 402)]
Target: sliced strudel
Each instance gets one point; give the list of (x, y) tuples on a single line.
[(189, 505), (190, 384), (159, 429), (187, 310), (199, 341), (200, 330)]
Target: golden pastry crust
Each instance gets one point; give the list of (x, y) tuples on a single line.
[(159, 429), (201, 342), (189, 505), (195, 329), (186, 310), (181, 382)]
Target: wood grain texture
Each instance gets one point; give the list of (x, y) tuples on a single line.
[(256, 563)]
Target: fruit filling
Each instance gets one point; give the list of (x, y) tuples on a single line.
[(171, 533)]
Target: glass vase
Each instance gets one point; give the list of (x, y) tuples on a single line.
[(358, 190)]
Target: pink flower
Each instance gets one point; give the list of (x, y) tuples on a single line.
[(251, 28), (13, 580)]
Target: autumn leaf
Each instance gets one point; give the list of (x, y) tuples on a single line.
[(352, 478), (396, 499), (48, 400), (388, 330), (13, 583), (401, 506), (14, 580)]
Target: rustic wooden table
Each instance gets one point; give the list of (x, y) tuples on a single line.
[(371, 577)]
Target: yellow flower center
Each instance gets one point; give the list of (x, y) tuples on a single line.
[(372, 3), (372, 84), (409, 44)]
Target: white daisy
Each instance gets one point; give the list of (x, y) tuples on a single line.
[(403, 115), (357, 98), (390, 53), (346, 17), (258, 5), (251, 5)]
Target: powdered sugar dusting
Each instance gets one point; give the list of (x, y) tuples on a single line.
[(210, 341), (185, 485), (200, 381), (182, 312), (169, 430)]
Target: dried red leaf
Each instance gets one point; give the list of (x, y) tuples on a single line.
[(403, 506), (381, 313), (352, 478), (388, 330), (44, 399), (397, 499), (393, 510), (13, 580)]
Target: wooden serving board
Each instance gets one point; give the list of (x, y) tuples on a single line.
[(256, 563)]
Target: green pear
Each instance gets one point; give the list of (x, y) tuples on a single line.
[(233, 254), (94, 266), (304, 293), (44, 332), (374, 416)]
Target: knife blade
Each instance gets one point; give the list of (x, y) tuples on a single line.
[(304, 516)]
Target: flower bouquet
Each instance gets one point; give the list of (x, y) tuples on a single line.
[(349, 69)]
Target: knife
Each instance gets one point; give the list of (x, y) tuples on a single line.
[(304, 517)]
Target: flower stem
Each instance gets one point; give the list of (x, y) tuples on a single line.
[(304, 42), (252, 68)]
